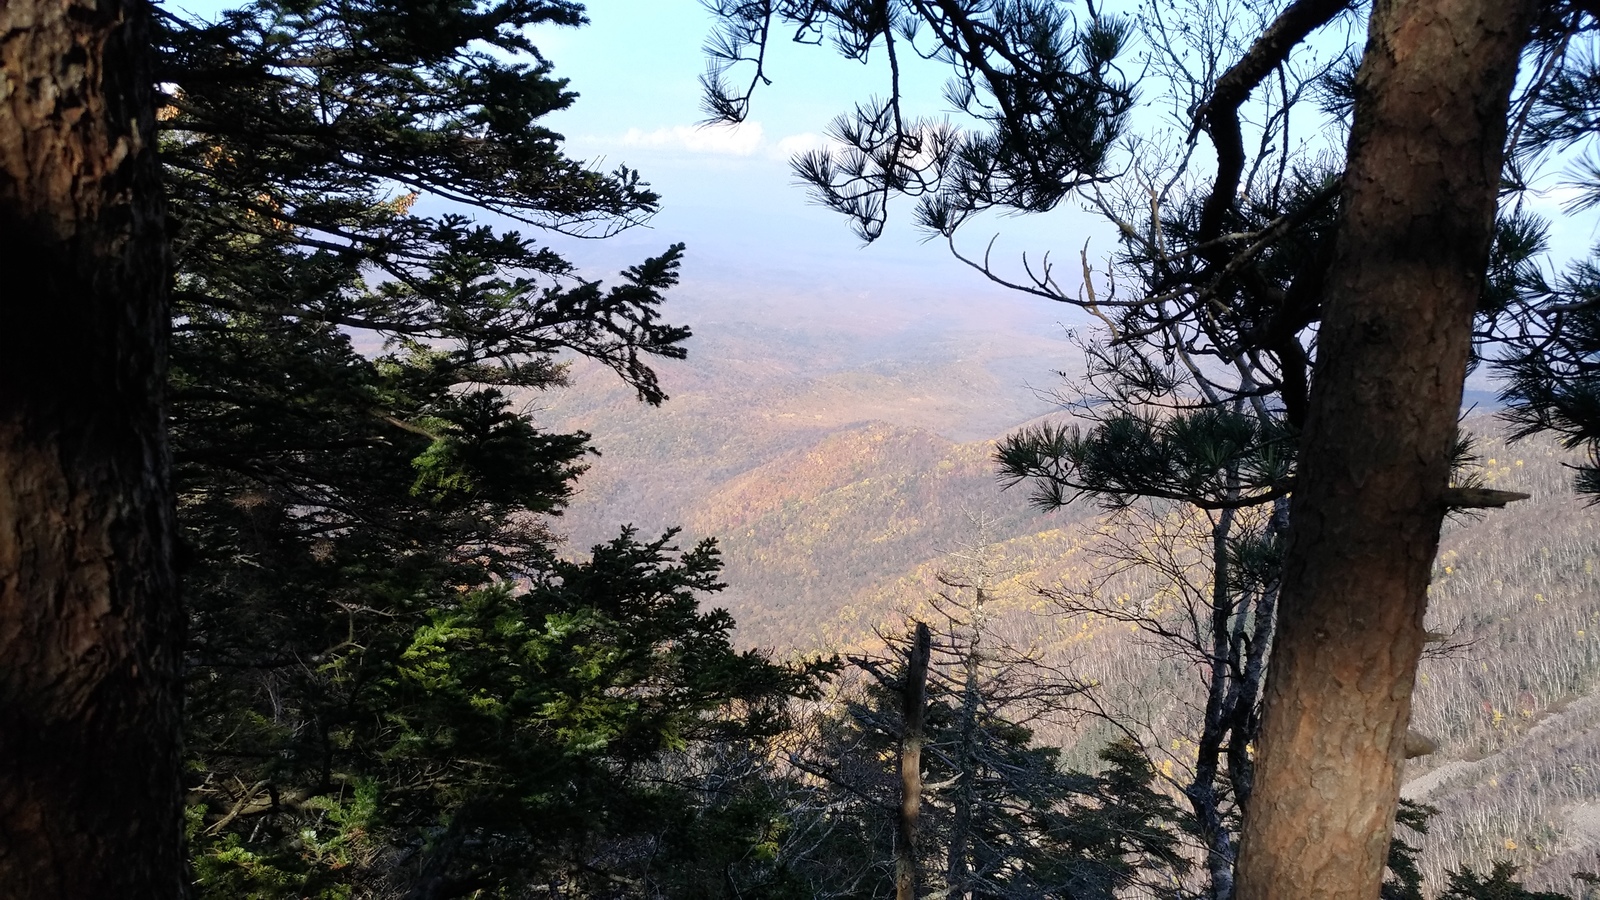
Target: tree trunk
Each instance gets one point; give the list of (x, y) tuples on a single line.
[(1411, 250), (90, 801), (957, 872), (916, 701), (1222, 691)]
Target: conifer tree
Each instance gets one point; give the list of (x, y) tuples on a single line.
[(89, 621), (396, 685), (999, 817), (1200, 496), (1299, 277)]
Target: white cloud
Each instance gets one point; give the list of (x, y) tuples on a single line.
[(787, 147), (744, 139), (735, 140)]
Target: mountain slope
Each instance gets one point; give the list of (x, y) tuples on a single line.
[(845, 471)]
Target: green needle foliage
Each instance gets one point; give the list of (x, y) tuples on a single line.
[(1405, 872), (394, 686), (1404, 881), (1045, 86), (1498, 885), (1000, 816), (1211, 458), (299, 138), (1553, 379)]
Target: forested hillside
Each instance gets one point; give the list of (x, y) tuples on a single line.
[(1512, 693), (848, 531), (377, 549), (820, 454)]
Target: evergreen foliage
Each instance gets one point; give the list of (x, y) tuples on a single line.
[(1211, 458), (1405, 875), (395, 686), (1499, 884), (1000, 816), (398, 688), (1201, 381), (1550, 321), (1405, 881), (1045, 88), (1553, 379)]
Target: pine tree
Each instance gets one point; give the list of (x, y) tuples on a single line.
[(1222, 471), (1339, 291)]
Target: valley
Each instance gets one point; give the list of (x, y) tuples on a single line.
[(843, 465)]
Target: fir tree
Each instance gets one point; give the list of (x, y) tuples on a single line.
[(395, 685)]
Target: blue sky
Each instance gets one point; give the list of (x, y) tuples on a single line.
[(729, 195), (750, 229), (728, 192)]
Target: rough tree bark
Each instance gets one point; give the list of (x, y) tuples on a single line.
[(90, 802), (1411, 250), (915, 706)]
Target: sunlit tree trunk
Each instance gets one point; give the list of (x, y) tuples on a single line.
[(90, 804), (1411, 251)]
